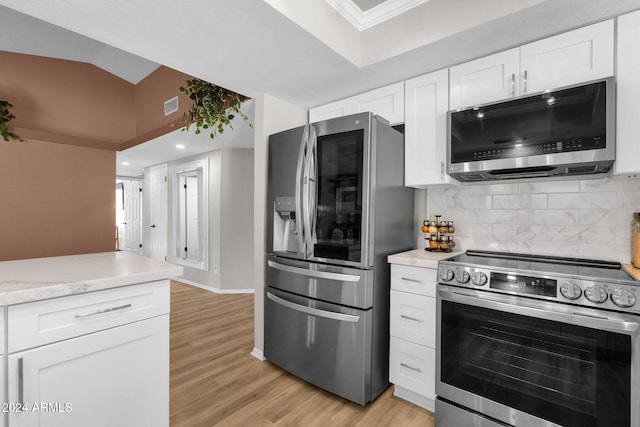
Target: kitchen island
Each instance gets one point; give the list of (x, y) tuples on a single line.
[(85, 340)]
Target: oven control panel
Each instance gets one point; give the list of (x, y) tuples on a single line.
[(589, 293)]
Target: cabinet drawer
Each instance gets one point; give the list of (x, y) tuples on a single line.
[(42, 322), (417, 280), (413, 318), (413, 367)]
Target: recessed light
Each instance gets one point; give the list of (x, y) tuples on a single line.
[(125, 163), (180, 146)]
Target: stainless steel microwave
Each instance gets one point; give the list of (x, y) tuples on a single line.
[(567, 131)]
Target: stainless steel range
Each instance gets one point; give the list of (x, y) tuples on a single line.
[(526, 340)]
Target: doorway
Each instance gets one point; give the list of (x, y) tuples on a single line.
[(129, 215)]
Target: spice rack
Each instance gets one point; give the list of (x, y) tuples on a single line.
[(438, 234)]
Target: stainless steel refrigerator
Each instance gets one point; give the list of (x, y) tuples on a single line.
[(336, 207)]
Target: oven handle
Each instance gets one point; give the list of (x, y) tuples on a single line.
[(595, 321)]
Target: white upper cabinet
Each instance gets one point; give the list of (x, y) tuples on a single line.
[(425, 130), (628, 93), (387, 102), (573, 57), (485, 80), (576, 56)]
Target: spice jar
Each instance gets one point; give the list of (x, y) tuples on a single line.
[(433, 227), (433, 242), (442, 227), (452, 243), (635, 240), (444, 242), (450, 227), (425, 226)]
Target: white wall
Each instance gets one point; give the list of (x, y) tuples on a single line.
[(230, 221), (587, 218), (271, 115)]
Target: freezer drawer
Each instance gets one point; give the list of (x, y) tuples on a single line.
[(341, 285), (325, 344)]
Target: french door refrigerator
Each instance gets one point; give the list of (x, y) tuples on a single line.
[(336, 207)]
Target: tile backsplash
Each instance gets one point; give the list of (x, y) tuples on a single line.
[(577, 218)]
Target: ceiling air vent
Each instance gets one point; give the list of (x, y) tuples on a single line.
[(170, 105)]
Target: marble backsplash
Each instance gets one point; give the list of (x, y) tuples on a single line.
[(587, 218)]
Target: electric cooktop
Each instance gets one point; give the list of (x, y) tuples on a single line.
[(585, 282)]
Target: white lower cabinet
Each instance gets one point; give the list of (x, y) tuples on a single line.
[(412, 353), (101, 362)]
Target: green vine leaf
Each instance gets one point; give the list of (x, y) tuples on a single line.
[(6, 116), (213, 107)]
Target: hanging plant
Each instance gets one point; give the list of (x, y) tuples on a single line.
[(5, 117), (213, 108)]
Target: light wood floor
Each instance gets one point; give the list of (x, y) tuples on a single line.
[(216, 382)]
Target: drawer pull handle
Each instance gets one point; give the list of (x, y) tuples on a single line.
[(415, 319), (106, 310), (408, 279), (413, 368)]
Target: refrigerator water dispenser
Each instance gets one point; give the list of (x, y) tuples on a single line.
[(284, 224)]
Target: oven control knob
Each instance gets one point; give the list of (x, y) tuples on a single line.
[(623, 298), (479, 278), (595, 294), (570, 290), (462, 276), (446, 274)]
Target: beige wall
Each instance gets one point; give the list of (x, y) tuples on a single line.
[(67, 100), (57, 199), (57, 187)]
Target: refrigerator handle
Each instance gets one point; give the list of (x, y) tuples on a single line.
[(309, 196), (314, 311), (300, 214)]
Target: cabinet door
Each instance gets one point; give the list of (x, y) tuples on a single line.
[(413, 318), (387, 102), (413, 367), (576, 56), (117, 377), (425, 138), (484, 80), (332, 110), (628, 81)]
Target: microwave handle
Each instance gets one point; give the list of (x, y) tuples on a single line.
[(593, 319)]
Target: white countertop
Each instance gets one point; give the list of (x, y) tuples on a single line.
[(420, 258), (42, 278)]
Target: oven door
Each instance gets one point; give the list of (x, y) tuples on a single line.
[(527, 362)]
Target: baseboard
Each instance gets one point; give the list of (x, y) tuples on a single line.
[(257, 353), (415, 398), (212, 289)]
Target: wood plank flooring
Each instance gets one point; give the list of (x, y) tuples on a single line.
[(216, 382)]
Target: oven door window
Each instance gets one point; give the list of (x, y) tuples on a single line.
[(567, 374)]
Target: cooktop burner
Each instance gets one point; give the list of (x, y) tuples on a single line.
[(585, 282), (546, 264)]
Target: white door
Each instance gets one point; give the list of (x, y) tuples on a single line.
[(158, 213), (132, 216)]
